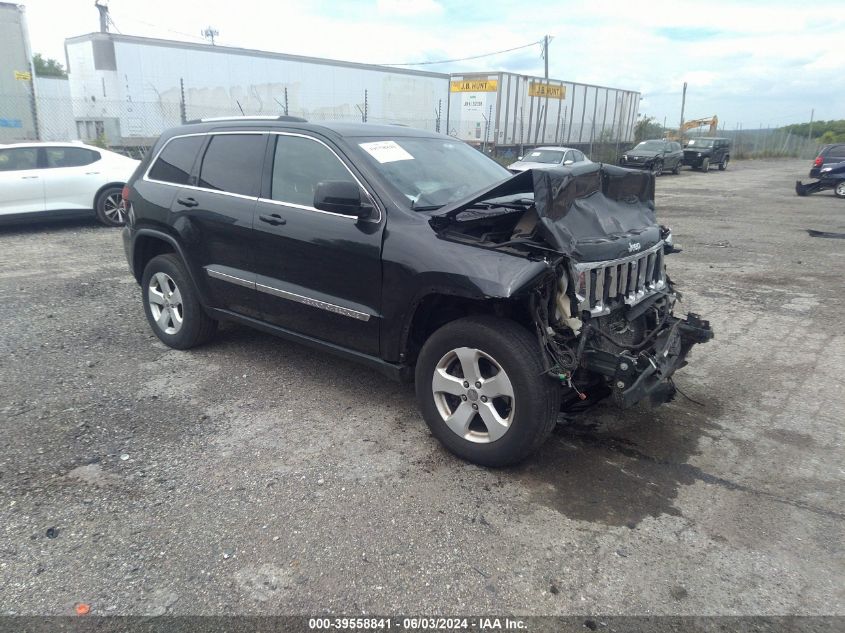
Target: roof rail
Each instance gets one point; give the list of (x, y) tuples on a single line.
[(252, 117)]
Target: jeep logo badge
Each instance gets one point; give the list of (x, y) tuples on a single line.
[(633, 247)]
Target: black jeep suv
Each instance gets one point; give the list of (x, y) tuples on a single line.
[(506, 298), (702, 152), (656, 155)]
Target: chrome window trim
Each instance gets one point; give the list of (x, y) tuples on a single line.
[(291, 296), (305, 207)]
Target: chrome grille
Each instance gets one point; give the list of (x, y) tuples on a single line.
[(600, 286)]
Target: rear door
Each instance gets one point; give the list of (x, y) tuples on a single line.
[(21, 181), (318, 273), (216, 208), (71, 178)]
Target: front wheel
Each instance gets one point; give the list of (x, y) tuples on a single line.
[(657, 168), (481, 388), (705, 164), (172, 305), (724, 164), (109, 207), (677, 169), (839, 190)]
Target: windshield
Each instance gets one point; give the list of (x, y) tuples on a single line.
[(549, 156), (700, 143), (651, 146), (431, 172)]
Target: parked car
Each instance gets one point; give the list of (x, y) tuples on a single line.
[(656, 155), (547, 157), (47, 180), (704, 151), (828, 155), (505, 297), (831, 176)]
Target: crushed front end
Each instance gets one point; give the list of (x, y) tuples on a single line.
[(604, 314)]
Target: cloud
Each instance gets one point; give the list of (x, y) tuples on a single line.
[(409, 8)]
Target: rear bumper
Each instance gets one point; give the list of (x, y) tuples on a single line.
[(812, 187), (646, 374)]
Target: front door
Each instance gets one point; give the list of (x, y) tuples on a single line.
[(21, 181), (72, 177), (317, 273)]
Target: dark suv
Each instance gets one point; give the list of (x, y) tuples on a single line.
[(506, 298), (702, 152), (656, 155), (828, 156)]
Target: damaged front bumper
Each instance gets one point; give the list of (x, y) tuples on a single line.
[(647, 374)]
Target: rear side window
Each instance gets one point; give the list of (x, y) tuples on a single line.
[(176, 159), (233, 163), (70, 156), (18, 159), (837, 151), (299, 164)]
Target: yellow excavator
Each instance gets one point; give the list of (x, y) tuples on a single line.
[(713, 122)]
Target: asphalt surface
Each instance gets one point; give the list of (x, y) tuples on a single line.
[(253, 475)]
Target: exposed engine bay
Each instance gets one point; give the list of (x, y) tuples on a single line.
[(603, 314)]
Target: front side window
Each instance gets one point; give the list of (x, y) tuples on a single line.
[(18, 159), (232, 163), (300, 163), (70, 156), (174, 163)]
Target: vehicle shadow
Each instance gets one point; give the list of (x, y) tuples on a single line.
[(618, 467), (54, 225)]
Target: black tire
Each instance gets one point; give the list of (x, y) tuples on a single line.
[(107, 212), (657, 168), (839, 189), (677, 170), (196, 327), (705, 165), (724, 164), (533, 408)]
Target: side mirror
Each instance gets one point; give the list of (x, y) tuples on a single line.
[(342, 197), (568, 162), (519, 157)]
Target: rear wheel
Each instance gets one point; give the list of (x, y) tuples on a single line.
[(481, 388), (172, 305), (724, 164), (109, 207), (705, 164), (839, 190), (677, 169)]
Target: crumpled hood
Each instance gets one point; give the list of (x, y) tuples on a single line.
[(590, 212), (645, 153)]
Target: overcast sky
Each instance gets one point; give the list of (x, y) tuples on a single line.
[(755, 63)]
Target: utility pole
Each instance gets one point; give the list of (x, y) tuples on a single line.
[(210, 33), (183, 113), (104, 16), (683, 105), (546, 55), (810, 133)]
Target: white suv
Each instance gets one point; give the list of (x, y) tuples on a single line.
[(61, 179)]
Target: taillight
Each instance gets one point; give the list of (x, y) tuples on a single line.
[(818, 162)]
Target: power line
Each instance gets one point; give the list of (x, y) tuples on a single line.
[(463, 59)]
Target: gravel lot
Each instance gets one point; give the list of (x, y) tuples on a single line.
[(256, 476)]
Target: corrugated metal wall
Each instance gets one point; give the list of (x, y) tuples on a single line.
[(17, 120)]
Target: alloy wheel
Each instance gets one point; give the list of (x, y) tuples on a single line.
[(165, 303), (113, 208), (473, 395)]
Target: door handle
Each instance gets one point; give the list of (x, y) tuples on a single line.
[(28, 177), (187, 202), (92, 173), (275, 219)]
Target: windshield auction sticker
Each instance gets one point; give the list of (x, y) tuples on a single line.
[(386, 151)]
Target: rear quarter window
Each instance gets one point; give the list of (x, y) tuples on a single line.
[(175, 161)]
